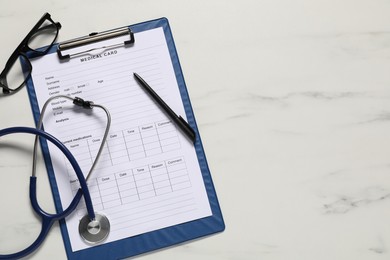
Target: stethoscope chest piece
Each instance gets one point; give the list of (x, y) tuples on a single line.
[(94, 231)]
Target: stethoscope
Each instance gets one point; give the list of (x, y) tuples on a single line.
[(93, 227)]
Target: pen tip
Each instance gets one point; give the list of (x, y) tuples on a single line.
[(136, 76)]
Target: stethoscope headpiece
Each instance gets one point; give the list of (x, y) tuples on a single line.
[(96, 230)]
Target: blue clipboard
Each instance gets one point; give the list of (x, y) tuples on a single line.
[(160, 238)]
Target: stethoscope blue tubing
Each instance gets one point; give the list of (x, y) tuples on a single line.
[(47, 218)]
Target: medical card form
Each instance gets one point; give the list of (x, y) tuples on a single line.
[(148, 177)]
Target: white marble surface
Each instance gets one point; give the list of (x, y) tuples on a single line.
[(292, 100)]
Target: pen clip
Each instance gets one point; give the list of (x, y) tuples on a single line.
[(187, 129), (92, 38)]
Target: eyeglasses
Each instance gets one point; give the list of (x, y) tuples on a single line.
[(15, 74)]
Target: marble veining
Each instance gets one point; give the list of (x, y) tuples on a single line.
[(292, 101)]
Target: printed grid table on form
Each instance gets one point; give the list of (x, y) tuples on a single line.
[(136, 184), (133, 184)]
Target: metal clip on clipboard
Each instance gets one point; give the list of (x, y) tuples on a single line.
[(92, 38)]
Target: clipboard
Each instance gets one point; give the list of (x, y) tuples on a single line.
[(161, 238)]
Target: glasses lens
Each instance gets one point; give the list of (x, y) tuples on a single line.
[(17, 73), (44, 37)]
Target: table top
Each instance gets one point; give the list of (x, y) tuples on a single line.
[(292, 101)]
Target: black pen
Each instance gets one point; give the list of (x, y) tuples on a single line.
[(179, 121)]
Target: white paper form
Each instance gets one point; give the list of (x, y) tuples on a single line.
[(148, 176)]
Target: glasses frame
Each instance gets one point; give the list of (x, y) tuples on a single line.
[(22, 49)]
